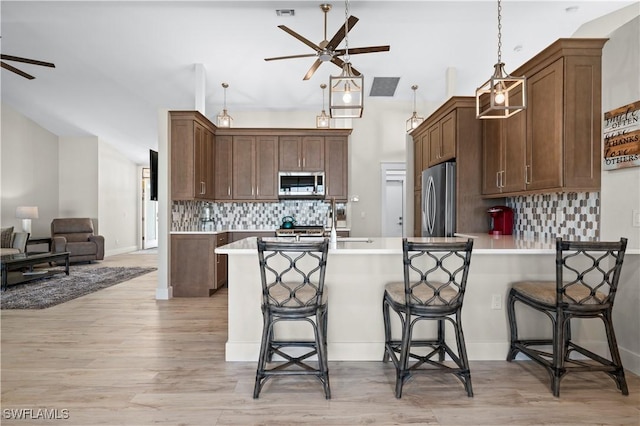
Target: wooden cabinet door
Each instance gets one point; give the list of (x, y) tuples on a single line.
[(244, 154), (192, 265), (417, 213), (417, 163), (336, 167), (200, 160), (425, 139), (266, 168), (223, 167), (448, 137), (182, 159), (221, 261), (313, 153), (290, 153), (433, 135), (545, 127), (209, 165), (491, 157), (513, 152)]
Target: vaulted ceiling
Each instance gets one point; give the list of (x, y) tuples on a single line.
[(118, 62)]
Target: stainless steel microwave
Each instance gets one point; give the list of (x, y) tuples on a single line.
[(301, 184)]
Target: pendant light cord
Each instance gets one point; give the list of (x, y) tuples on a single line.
[(346, 30), (499, 32)]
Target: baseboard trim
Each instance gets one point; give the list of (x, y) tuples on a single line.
[(120, 250)]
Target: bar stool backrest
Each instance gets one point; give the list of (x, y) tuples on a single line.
[(587, 272), (292, 273), (435, 274)]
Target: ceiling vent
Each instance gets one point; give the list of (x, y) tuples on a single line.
[(384, 86), (285, 12)]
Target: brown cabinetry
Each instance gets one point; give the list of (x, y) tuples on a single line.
[(223, 169), (192, 156), (554, 145), (304, 153), (193, 265), (453, 132), (255, 167), (221, 260), (336, 167)]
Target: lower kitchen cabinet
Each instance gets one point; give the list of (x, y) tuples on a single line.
[(196, 271)]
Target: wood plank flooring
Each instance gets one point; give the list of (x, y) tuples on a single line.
[(120, 357)]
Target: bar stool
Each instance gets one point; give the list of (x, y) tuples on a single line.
[(292, 276), (587, 275), (435, 278)]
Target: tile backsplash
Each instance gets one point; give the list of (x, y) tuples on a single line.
[(571, 215), (188, 215)]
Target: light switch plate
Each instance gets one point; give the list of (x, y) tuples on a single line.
[(636, 218)]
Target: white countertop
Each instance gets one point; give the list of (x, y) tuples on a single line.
[(482, 244)]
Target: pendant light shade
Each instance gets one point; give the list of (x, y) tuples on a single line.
[(346, 91), (414, 121), (502, 95), (224, 119), (322, 120)]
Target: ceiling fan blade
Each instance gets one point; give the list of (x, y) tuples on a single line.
[(340, 63), (16, 70), (299, 37), (27, 61), (340, 34), (308, 55), (358, 50), (313, 69)]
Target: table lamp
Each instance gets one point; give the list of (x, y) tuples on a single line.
[(26, 213)]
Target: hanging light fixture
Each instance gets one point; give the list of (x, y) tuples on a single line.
[(502, 95), (224, 119), (322, 120), (346, 94), (414, 121)]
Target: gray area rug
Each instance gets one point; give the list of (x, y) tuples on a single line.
[(60, 288)]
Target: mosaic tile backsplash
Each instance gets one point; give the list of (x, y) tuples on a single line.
[(188, 215), (571, 215)]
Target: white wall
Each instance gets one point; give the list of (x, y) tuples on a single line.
[(621, 188), (29, 170), (78, 175), (118, 192)]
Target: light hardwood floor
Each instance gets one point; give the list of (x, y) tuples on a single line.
[(120, 357)]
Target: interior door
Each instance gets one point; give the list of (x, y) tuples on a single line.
[(394, 218)]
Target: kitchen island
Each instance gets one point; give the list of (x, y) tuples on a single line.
[(358, 269)]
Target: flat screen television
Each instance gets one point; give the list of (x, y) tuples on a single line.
[(153, 166)]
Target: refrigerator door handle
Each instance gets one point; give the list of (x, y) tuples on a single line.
[(425, 203), (431, 206)]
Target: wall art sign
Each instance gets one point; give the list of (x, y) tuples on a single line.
[(622, 137)]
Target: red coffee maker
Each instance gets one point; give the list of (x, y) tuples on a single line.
[(501, 220)]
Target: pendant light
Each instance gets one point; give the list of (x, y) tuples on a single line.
[(224, 119), (346, 95), (502, 95), (322, 120), (414, 121)]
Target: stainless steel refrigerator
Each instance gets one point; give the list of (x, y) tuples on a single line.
[(439, 200)]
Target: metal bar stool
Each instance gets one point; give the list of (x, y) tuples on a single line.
[(587, 275), (435, 278), (292, 276)]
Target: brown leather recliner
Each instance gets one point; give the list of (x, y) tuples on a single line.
[(75, 235)]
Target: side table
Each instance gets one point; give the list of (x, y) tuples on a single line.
[(37, 241)]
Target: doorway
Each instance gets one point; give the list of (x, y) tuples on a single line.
[(393, 199), (149, 213)]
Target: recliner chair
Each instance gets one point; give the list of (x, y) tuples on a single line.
[(76, 236)]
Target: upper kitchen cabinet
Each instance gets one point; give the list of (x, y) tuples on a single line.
[(223, 168), (255, 168), (441, 137), (336, 167), (554, 145), (304, 153), (192, 156)]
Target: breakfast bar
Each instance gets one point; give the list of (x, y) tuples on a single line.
[(358, 269)]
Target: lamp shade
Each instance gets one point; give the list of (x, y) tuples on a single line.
[(27, 212), (346, 97)]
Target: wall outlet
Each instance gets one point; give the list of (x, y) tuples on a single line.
[(496, 301), (636, 219)]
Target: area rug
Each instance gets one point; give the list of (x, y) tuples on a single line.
[(60, 288)]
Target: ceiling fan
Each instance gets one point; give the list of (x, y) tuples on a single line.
[(23, 60), (326, 50)]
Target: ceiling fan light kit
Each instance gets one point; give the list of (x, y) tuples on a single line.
[(502, 95), (414, 121), (224, 119)]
